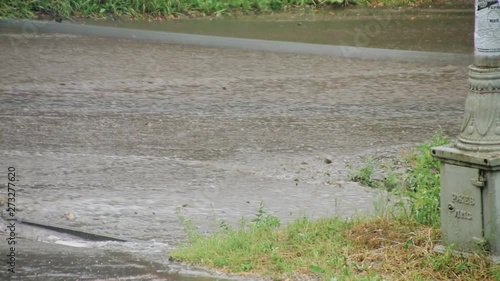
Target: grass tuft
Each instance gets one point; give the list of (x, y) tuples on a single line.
[(364, 175)]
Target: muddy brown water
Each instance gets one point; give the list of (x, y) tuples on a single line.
[(117, 136), (436, 30)]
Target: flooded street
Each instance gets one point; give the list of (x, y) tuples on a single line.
[(120, 137), (448, 31)]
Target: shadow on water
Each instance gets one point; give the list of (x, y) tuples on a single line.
[(449, 31)]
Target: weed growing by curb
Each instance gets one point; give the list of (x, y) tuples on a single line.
[(419, 182), (422, 182), (364, 175)]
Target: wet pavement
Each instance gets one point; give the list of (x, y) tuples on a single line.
[(119, 137)]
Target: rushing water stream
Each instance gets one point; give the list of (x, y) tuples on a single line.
[(116, 136), (448, 31)]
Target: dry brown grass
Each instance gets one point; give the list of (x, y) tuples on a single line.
[(403, 250)]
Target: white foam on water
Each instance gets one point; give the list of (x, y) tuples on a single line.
[(53, 238), (72, 243)]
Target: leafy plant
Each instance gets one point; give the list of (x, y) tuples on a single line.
[(420, 182), (391, 181), (262, 220), (189, 228), (365, 174), (423, 179)]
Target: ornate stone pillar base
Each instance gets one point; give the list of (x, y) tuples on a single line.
[(470, 168), (481, 124)]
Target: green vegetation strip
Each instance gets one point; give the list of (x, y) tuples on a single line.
[(170, 8), (395, 245)]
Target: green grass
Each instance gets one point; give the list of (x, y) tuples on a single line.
[(262, 247), (164, 8), (364, 175), (364, 249), (422, 181), (419, 182), (388, 246)]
